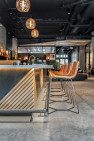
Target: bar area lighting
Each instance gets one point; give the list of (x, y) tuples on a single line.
[(34, 33), (30, 23), (23, 5)]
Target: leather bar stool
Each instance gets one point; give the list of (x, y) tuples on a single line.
[(63, 86), (66, 72), (66, 77), (63, 69)]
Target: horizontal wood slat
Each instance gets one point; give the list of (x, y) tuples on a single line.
[(22, 96), (19, 84), (13, 96)]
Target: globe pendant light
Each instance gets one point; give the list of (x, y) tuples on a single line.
[(23, 5), (30, 23), (34, 33)]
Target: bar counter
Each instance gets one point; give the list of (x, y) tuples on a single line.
[(18, 91)]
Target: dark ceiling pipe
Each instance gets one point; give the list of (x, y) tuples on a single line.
[(66, 30), (56, 21), (84, 17), (83, 25), (46, 20), (83, 2), (74, 12), (90, 29)]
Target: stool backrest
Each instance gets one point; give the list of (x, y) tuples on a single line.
[(74, 70), (65, 67), (62, 68), (69, 68)]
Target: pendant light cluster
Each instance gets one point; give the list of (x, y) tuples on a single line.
[(24, 6)]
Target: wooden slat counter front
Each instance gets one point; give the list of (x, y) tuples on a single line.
[(18, 87)]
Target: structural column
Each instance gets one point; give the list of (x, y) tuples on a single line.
[(92, 46), (14, 48), (82, 57), (2, 38), (41, 78)]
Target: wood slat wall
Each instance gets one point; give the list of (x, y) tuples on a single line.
[(23, 96)]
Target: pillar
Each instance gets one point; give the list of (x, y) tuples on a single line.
[(92, 49), (14, 48), (82, 57), (2, 38)]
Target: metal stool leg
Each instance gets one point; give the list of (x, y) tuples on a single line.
[(49, 91), (68, 86), (62, 87), (74, 97), (65, 88)]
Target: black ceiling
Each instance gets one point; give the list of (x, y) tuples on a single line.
[(56, 19)]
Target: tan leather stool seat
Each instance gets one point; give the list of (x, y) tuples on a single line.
[(72, 74)]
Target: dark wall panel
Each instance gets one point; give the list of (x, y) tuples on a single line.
[(9, 78)]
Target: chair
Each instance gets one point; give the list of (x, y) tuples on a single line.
[(67, 85), (66, 70), (62, 69)]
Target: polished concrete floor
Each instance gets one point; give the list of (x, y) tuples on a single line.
[(58, 126)]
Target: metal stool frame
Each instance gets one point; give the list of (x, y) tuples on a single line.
[(67, 87)]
